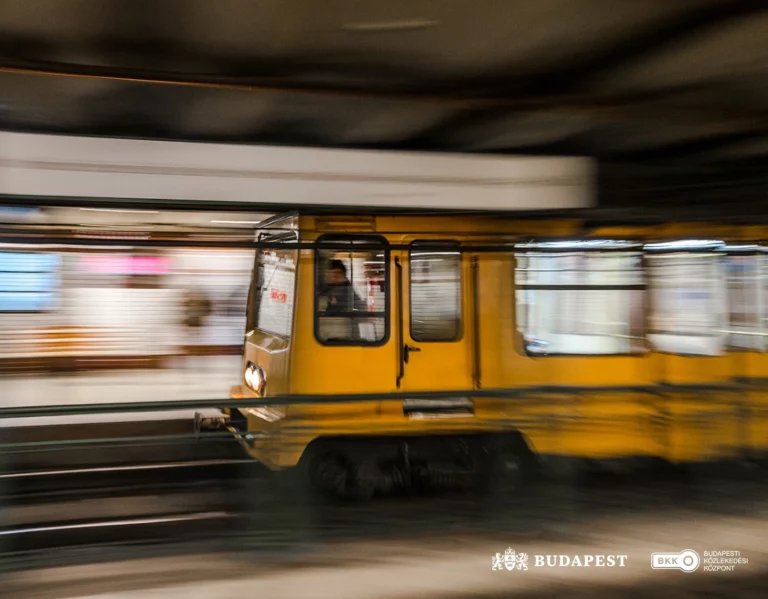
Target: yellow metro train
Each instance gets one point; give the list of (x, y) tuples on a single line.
[(494, 341)]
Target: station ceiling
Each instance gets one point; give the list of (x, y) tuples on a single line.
[(671, 97)]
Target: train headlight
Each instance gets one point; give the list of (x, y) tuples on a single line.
[(255, 378)]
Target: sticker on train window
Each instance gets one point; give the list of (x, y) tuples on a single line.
[(278, 295)]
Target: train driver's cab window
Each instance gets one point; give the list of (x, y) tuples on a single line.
[(580, 298), (351, 291), (688, 297), (435, 284)]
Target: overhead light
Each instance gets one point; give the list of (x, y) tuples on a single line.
[(119, 210), (97, 226), (400, 195), (686, 244), (384, 26), (742, 248), (236, 222), (580, 244)]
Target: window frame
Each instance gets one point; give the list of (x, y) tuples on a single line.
[(643, 287), (449, 243), (386, 314)]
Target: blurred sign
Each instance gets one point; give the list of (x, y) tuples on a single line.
[(125, 265), (28, 281)]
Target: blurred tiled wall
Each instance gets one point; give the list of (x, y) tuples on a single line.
[(125, 303)]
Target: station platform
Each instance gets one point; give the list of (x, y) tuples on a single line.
[(206, 377), (50, 442)]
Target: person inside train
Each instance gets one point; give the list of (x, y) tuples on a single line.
[(339, 292)]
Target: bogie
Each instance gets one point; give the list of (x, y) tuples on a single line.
[(362, 467)]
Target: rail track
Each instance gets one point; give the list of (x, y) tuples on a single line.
[(226, 502), (72, 495)]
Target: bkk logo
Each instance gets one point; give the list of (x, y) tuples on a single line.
[(520, 561), (689, 561)]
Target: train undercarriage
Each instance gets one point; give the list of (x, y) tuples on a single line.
[(363, 466)]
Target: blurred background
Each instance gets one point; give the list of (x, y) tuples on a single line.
[(121, 322), (143, 141)]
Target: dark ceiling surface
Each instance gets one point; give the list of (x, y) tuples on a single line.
[(671, 97)]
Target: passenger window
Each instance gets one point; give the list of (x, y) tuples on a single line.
[(744, 301), (688, 300), (351, 292), (435, 284), (580, 303)]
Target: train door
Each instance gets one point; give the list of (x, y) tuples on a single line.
[(435, 336)]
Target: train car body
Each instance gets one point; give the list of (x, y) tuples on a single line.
[(527, 337)]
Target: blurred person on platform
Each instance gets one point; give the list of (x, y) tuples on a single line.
[(197, 309)]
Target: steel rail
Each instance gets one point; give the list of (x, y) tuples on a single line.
[(116, 523), (139, 242), (114, 442), (131, 468), (474, 247)]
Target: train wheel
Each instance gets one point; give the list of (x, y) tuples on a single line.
[(328, 475), (505, 476), (510, 469)]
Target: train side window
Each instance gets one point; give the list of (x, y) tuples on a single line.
[(351, 291), (745, 294), (580, 303), (435, 287), (688, 296)]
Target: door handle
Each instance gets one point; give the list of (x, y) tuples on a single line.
[(407, 350)]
